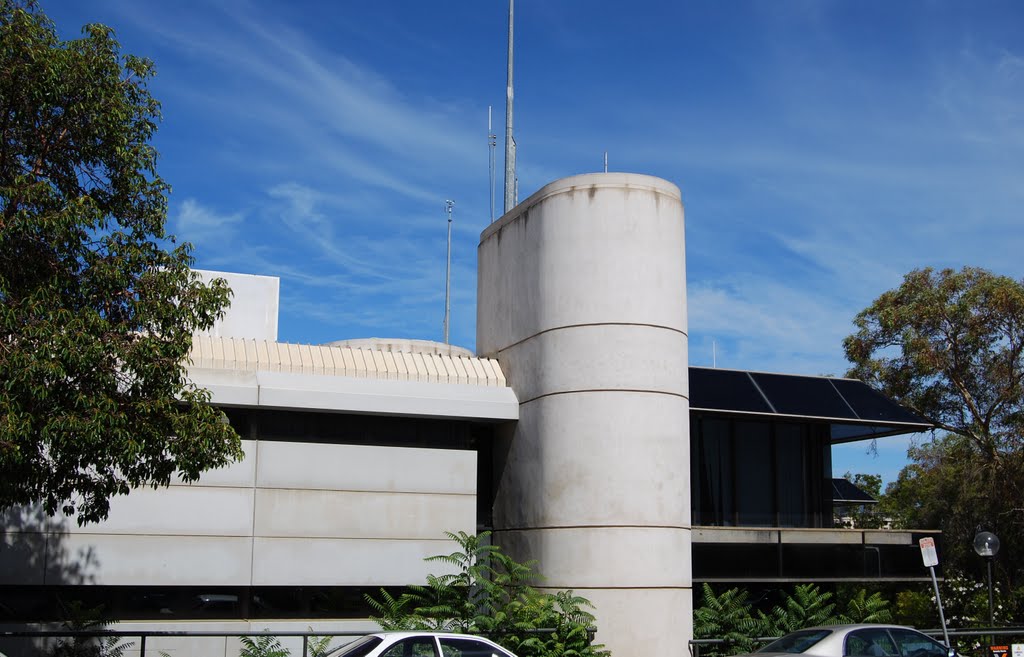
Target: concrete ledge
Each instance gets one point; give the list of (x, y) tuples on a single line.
[(805, 536), (288, 390)]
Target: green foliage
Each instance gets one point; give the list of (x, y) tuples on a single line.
[(731, 616), (869, 483), (79, 618), (864, 608), (870, 516), (806, 606), (563, 612), (393, 613), (318, 646), (726, 616), (262, 646), (950, 346), (488, 592), (917, 608), (97, 305)]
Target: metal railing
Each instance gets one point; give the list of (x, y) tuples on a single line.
[(143, 635), (1013, 631)]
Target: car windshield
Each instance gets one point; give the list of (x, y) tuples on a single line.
[(796, 642), (359, 647)]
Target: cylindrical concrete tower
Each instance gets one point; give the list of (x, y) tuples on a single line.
[(582, 299)]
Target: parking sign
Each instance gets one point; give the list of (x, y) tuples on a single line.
[(931, 558)]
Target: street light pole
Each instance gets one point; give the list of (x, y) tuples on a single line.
[(986, 544), (448, 273), (991, 605)]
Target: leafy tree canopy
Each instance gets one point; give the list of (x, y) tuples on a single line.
[(948, 344), (97, 304)]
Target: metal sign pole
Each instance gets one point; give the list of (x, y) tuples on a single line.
[(931, 559), (942, 616)]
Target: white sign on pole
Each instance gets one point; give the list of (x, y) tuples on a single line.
[(931, 558), (1018, 650)]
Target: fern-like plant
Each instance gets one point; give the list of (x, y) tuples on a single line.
[(318, 646), (488, 592), (262, 646), (807, 606), (79, 618), (726, 616), (864, 608)]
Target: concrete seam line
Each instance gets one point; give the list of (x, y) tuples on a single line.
[(589, 324), (585, 390)]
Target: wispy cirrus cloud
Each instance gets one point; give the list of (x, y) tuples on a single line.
[(205, 227)]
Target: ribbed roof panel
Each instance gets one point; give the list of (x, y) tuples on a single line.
[(263, 355)]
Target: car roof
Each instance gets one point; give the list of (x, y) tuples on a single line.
[(406, 633), (855, 626)]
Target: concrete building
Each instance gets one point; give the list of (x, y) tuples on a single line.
[(578, 433)]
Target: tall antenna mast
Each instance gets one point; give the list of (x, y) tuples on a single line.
[(492, 142), (510, 143), (448, 273)]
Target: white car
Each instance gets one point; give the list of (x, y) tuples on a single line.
[(864, 640), (421, 644)]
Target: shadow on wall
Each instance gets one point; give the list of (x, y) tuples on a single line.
[(35, 557)]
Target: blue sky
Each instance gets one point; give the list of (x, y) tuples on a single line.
[(823, 150)]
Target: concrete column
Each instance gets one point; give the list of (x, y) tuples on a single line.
[(582, 299)]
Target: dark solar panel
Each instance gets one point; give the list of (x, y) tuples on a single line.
[(843, 490), (803, 395), (873, 405), (854, 410), (725, 390)]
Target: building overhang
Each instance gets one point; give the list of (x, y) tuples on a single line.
[(852, 409), (774, 554), (348, 379)]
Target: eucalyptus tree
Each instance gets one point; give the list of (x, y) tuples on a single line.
[(949, 345)]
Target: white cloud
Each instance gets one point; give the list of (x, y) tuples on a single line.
[(203, 226)]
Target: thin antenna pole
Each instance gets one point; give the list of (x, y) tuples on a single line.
[(606, 161), (448, 273), (492, 142), (510, 145)]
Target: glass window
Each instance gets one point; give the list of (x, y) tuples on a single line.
[(452, 647), (712, 461), (915, 644), (870, 642), (360, 647), (417, 646), (796, 642), (755, 475), (792, 453)]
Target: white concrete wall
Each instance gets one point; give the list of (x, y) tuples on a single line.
[(582, 300), (254, 306), (294, 391), (289, 514)]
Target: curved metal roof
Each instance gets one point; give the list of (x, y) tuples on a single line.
[(265, 355)]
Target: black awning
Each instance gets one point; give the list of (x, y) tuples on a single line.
[(844, 492), (854, 410)]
